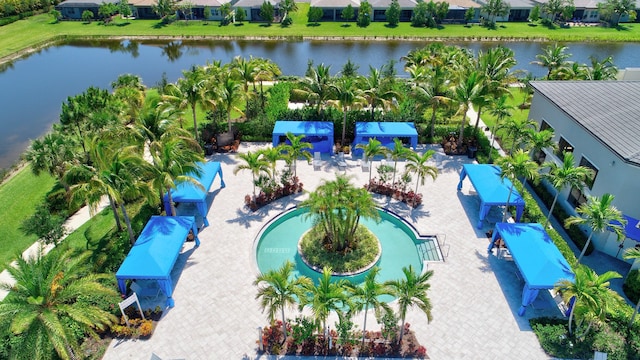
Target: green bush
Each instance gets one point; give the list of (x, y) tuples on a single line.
[(631, 286), (278, 104), (554, 338)]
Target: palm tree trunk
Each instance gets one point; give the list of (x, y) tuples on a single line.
[(571, 316), (401, 332), (635, 312), (229, 119), (584, 249), (132, 236), (553, 204), (171, 205), (261, 94), (417, 183), (114, 209), (393, 181), (506, 206), (478, 119), (364, 326), (195, 121), (284, 324), (344, 126), (462, 123), (432, 125)]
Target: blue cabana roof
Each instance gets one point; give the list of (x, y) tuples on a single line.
[(537, 257), (493, 190), (384, 132), (189, 192), (632, 229), (155, 252), (318, 133)]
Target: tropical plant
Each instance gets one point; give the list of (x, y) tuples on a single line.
[(267, 12), (346, 94), (230, 96), (325, 297), (287, 6), (295, 149), (246, 72), (271, 155), (411, 291), (315, 86), (314, 15), (501, 109), (398, 152), (593, 298), (600, 215), (633, 254), (552, 57), (46, 226), (164, 9), (601, 70), (539, 140), (516, 166), (365, 12), (613, 10), (337, 207), (87, 16), (278, 289), (188, 92), (567, 175), (467, 90), (368, 295), (370, 150), (254, 162), (495, 8), (517, 130), (418, 164), (377, 91), (495, 67), (50, 306), (54, 154), (393, 13)]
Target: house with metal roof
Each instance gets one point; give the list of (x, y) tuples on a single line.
[(73, 9), (252, 8), (599, 121)]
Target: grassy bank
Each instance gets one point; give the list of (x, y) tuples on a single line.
[(40, 29), (20, 195)]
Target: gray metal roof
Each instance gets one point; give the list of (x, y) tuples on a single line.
[(85, 3), (609, 110)]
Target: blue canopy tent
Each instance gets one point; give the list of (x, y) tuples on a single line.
[(384, 132), (493, 190), (318, 133), (189, 192), (632, 229), (537, 257), (155, 252)]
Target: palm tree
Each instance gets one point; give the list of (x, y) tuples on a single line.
[(599, 214), (287, 6), (175, 160), (254, 162), (271, 155), (368, 295), (469, 88), (246, 72), (325, 297), (376, 93), (501, 109), (495, 66), (539, 140), (43, 309), (398, 152), (295, 149), (346, 94), (518, 131), (516, 166), (601, 70), (54, 154), (593, 297), (315, 85), (370, 150), (230, 96), (411, 291), (429, 87), (267, 70), (633, 253), (552, 57), (188, 92), (567, 175), (418, 164), (278, 289)]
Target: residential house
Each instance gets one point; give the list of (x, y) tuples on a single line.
[(143, 9), (599, 121), (332, 9), (73, 9), (252, 8)]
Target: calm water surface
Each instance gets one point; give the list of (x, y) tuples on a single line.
[(32, 89)]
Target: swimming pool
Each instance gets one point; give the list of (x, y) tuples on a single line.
[(401, 245)]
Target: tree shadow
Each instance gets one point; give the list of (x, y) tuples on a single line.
[(389, 26), (265, 25), (123, 24), (238, 24), (313, 24), (623, 28), (345, 25), (532, 24), (160, 25)]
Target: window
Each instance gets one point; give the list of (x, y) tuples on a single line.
[(591, 178), (576, 197), (563, 146), (545, 125)]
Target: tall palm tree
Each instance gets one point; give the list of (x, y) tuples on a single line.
[(370, 150), (346, 94), (468, 89), (230, 97), (267, 70), (567, 175), (411, 291), (246, 72), (377, 93), (518, 131), (516, 166), (287, 6), (599, 214), (295, 149), (495, 66), (255, 163), (501, 109), (43, 309), (593, 297), (54, 154), (418, 164), (552, 57), (325, 297), (279, 289), (271, 155), (368, 295), (601, 70), (398, 152), (315, 85), (633, 253), (429, 87), (188, 92), (539, 140)]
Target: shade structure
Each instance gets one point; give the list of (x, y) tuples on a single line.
[(186, 192), (537, 257), (492, 190), (318, 133), (632, 229), (154, 254), (384, 132)]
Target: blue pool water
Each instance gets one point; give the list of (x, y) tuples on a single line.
[(278, 242)]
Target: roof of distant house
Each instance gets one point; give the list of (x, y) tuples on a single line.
[(253, 3), (85, 3), (609, 110)]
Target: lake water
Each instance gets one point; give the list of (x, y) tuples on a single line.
[(33, 88)]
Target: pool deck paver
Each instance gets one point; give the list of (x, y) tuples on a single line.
[(475, 296)]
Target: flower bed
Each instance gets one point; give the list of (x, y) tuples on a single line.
[(263, 198), (303, 343), (138, 328), (410, 197)]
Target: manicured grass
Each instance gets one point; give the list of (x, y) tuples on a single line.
[(89, 235), (516, 99), (20, 195), (39, 29)]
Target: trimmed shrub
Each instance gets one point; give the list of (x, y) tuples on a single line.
[(631, 286)]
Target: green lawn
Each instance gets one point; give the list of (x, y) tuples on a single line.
[(516, 100), (20, 195), (40, 29)]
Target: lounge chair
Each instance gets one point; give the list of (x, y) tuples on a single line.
[(342, 164), (366, 164), (317, 162)]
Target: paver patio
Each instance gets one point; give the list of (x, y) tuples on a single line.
[(475, 296)]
